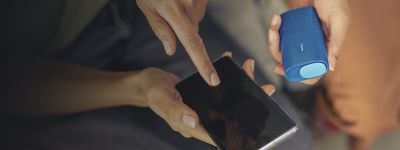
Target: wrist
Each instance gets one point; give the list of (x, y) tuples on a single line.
[(130, 86)]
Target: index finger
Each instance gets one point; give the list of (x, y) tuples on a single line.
[(192, 42)]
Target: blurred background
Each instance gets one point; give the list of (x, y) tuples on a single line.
[(356, 105)]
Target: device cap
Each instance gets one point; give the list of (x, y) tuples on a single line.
[(313, 70)]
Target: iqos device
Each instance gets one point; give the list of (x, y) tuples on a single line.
[(303, 45)]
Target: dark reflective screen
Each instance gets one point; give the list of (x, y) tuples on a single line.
[(237, 114)]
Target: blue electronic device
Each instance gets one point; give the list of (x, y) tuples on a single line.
[(303, 45)]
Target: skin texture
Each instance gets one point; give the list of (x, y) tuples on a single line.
[(335, 18), (180, 19), (57, 89)]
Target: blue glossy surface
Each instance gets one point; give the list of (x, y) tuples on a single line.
[(303, 46)]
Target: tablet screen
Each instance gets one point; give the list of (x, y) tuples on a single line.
[(237, 114)]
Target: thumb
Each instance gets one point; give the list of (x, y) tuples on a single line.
[(191, 120), (188, 117)]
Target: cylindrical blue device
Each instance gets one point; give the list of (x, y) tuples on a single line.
[(303, 45)]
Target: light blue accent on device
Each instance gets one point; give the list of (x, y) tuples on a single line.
[(312, 70), (303, 45)]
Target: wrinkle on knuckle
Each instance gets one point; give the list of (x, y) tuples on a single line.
[(173, 114), (177, 96), (158, 29)]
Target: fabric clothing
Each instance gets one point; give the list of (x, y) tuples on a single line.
[(120, 39), (45, 25)]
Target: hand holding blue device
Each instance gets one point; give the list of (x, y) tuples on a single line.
[(304, 52)]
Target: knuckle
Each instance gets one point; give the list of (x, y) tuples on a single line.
[(163, 3), (156, 25), (172, 9), (177, 96), (335, 52), (173, 115)]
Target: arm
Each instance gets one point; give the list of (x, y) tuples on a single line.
[(55, 88), (40, 87), (34, 87)]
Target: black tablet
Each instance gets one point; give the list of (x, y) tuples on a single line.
[(237, 114)]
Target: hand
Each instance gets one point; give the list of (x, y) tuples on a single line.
[(335, 19), (170, 19), (162, 98)]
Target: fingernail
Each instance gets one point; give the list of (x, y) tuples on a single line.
[(168, 48), (252, 64), (271, 92), (274, 20), (189, 120), (332, 63), (271, 36), (214, 79)]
